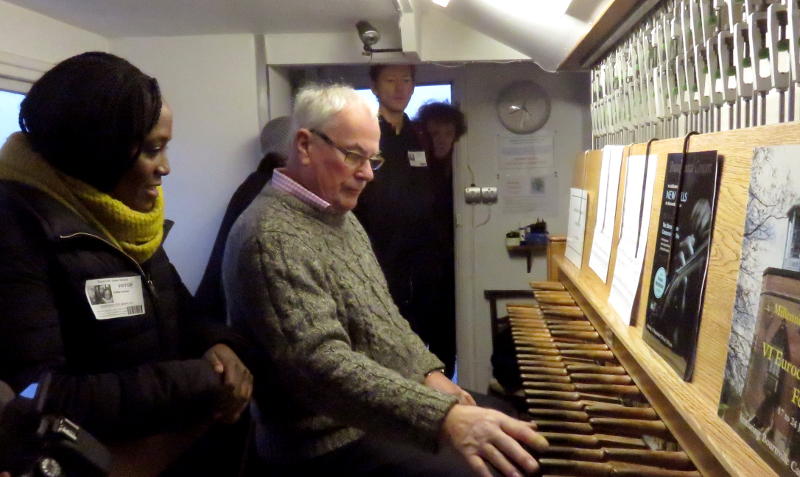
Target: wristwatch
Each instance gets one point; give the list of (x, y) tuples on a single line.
[(437, 370)]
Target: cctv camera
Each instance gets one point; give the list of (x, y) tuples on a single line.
[(368, 34)]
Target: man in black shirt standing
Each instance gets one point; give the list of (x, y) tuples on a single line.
[(398, 212)]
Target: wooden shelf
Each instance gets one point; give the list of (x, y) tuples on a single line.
[(528, 250), (688, 408), (536, 247), (692, 418)]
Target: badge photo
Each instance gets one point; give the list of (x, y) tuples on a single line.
[(115, 297), (417, 159)]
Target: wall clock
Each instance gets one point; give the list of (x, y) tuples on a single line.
[(523, 107)]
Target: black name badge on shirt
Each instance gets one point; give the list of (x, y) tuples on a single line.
[(417, 159), (115, 297)]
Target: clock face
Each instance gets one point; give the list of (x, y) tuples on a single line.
[(523, 107)]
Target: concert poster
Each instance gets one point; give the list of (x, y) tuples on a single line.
[(677, 285), (760, 396)]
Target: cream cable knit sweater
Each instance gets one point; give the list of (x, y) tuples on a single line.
[(341, 360)]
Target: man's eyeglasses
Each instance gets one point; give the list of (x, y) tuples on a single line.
[(352, 158)]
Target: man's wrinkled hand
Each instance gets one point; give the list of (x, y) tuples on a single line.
[(485, 436)]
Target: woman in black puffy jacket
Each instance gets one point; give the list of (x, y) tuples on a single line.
[(86, 290)]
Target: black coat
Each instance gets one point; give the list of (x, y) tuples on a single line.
[(397, 211), (210, 294), (412, 238), (119, 378)]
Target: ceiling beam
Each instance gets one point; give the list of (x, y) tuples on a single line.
[(618, 19)]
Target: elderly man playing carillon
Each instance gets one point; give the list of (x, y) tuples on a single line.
[(349, 388)]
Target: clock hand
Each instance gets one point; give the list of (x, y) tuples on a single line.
[(526, 116)]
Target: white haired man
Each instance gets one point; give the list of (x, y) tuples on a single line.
[(347, 387)]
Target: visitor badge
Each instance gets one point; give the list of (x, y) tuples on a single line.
[(115, 297), (417, 159)]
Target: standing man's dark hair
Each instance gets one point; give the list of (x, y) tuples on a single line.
[(88, 116), (375, 71)]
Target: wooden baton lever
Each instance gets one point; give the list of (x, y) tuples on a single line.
[(548, 285), (534, 365), (601, 378), (630, 427), (674, 460), (545, 378), (583, 368), (564, 414), (574, 467), (564, 426), (576, 453), (616, 410), (619, 389)]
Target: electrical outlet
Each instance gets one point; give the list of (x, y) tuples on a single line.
[(472, 194), (489, 195)]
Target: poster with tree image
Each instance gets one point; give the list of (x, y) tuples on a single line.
[(677, 284), (760, 395)]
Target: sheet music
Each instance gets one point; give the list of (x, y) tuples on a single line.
[(606, 210), (578, 200), (633, 241)]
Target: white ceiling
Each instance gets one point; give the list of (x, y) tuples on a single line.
[(124, 18), (523, 25)]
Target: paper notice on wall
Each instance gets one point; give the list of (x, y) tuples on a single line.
[(533, 190), (578, 201), (606, 210), (639, 181), (515, 152)]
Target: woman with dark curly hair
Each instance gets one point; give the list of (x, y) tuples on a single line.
[(441, 125)]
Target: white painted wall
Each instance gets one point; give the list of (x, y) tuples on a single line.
[(280, 92), (32, 35), (30, 43), (326, 48), (535, 29), (445, 39), (428, 35), (481, 257), (211, 84)]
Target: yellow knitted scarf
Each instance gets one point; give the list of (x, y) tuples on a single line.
[(138, 234)]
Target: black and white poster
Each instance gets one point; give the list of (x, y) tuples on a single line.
[(680, 262)]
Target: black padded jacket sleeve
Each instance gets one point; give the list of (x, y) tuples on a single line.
[(128, 402)]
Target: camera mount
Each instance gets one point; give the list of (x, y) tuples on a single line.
[(369, 36)]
